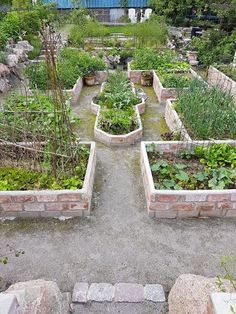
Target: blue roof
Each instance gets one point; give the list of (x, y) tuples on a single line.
[(67, 4)]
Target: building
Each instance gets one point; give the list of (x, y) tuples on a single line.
[(105, 10)]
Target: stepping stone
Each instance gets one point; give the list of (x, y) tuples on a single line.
[(154, 293), (80, 292), (129, 292), (101, 292)]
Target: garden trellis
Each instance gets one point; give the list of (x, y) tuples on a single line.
[(35, 130)]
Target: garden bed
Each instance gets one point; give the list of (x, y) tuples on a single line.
[(118, 139), (196, 116), (52, 203), (217, 78), (163, 93), (185, 203)]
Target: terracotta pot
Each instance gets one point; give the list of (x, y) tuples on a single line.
[(146, 79), (89, 80)]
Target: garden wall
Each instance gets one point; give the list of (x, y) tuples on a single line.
[(51, 203), (217, 78), (167, 93), (134, 75), (184, 203), (174, 122)]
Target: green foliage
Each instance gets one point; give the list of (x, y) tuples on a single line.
[(71, 64), (21, 4), (3, 57), (19, 179), (211, 167), (207, 113), (228, 264), (215, 46), (118, 93), (35, 113), (172, 80), (117, 121), (161, 60), (36, 43)]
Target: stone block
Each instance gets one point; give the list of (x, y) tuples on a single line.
[(154, 293), (80, 292), (101, 292), (129, 292)]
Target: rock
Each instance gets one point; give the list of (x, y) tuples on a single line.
[(190, 294), (20, 53), (4, 87), (39, 297), (8, 304), (12, 60), (24, 45), (4, 70)]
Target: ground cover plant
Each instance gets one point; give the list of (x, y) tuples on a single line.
[(71, 65), (161, 60), (205, 167), (117, 101), (207, 113), (32, 116), (175, 80), (228, 70)]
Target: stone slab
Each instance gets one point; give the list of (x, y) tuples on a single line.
[(80, 292), (129, 292), (101, 292), (154, 293)]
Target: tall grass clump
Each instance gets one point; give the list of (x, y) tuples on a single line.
[(207, 113)]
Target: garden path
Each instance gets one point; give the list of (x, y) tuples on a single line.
[(119, 243)]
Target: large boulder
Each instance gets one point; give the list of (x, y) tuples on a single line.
[(39, 297), (4, 70), (190, 294), (4, 85)]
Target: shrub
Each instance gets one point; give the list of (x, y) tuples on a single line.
[(207, 112), (162, 60), (71, 64), (36, 43)]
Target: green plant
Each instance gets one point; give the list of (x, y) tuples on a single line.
[(117, 121), (201, 168), (118, 93), (37, 76), (3, 57), (33, 116), (161, 60), (34, 41), (173, 80), (207, 113)]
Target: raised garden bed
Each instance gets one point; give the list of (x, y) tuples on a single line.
[(107, 137), (196, 116), (185, 203), (163, 92), (218, 78), (52, 203)]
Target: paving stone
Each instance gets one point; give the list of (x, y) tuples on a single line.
[(80, 292), (154, 293), (129, 292), (101, 292)]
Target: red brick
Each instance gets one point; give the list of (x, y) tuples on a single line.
[(24, 199), (70, 197), (12, 207), (181, 207), (47, 198), (167, 198), (205, 206), (5, 199), (219, 197), (225, 205), (158, 206)]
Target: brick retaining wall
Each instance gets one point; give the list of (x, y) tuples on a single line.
[(51, 203), (184, 203)]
